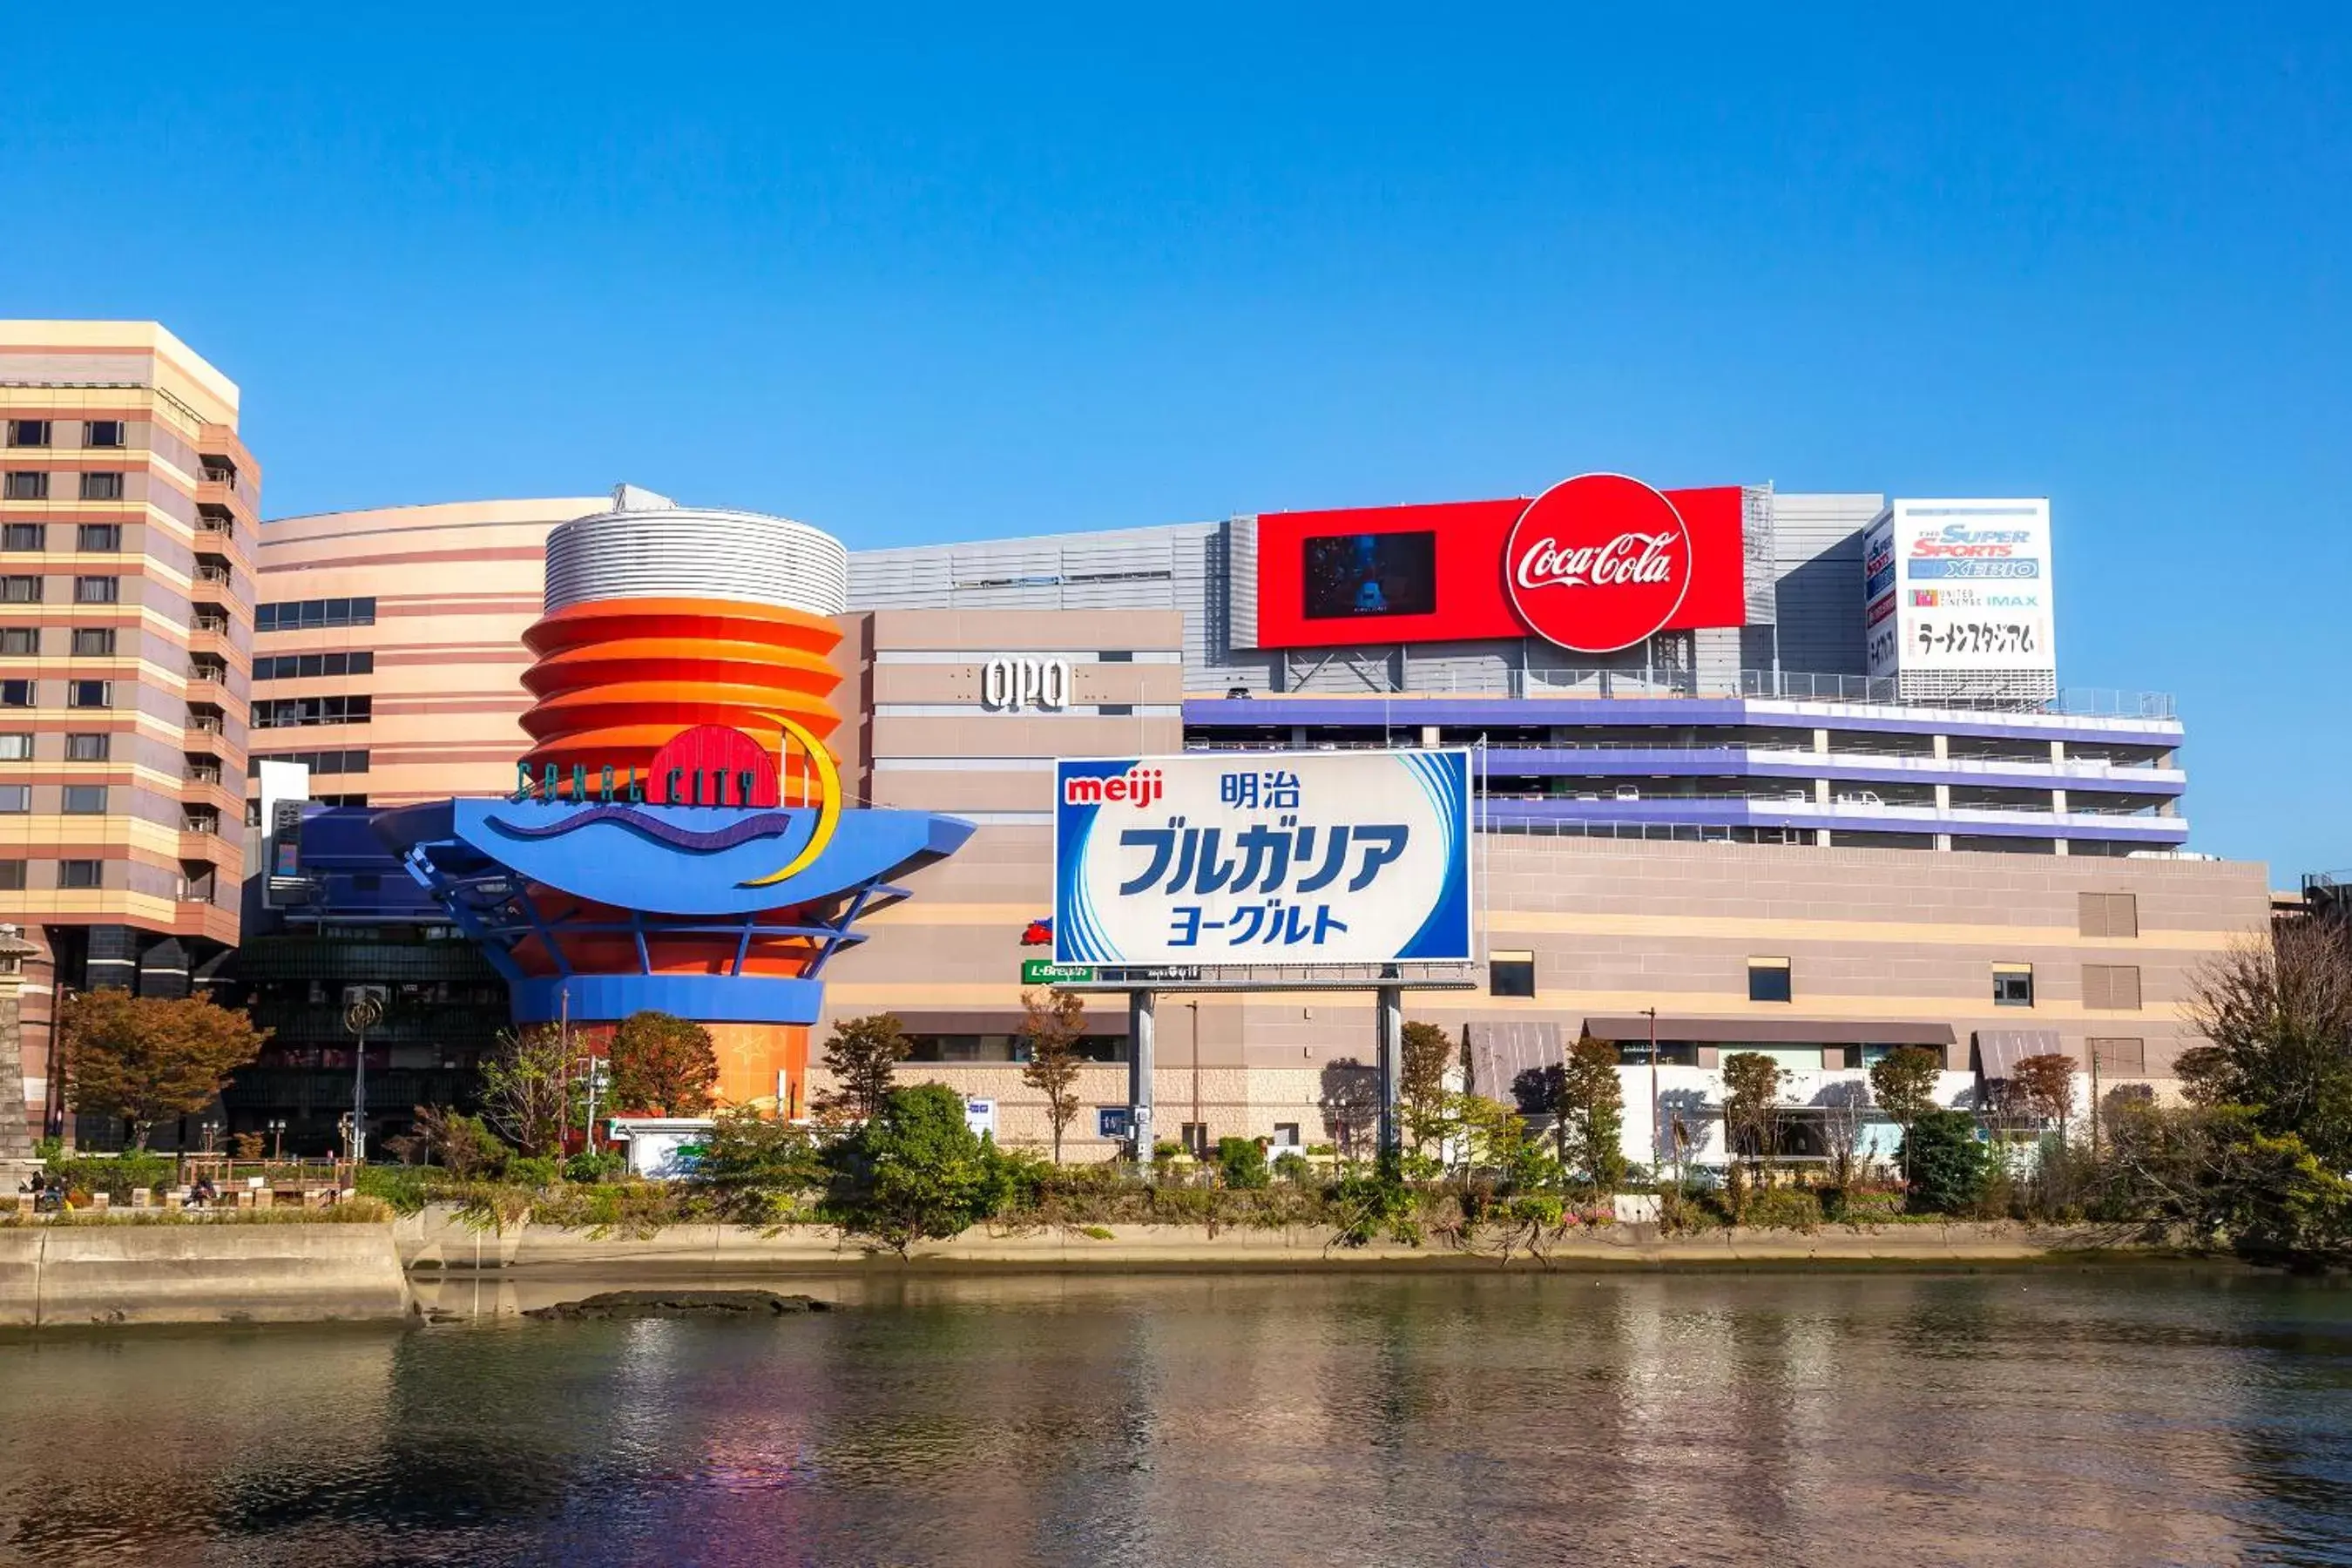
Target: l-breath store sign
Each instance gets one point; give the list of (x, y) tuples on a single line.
[(1298, 858)]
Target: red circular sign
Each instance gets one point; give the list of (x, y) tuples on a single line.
[(1598, 563)]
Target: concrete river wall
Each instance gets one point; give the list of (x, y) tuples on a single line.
[(56, 1275)]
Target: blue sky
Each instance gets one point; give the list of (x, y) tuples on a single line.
[(938, 274)]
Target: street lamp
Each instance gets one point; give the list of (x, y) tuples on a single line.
[(361, 1012), (276, 1129), (212, 1131)]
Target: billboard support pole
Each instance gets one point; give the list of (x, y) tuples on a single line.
[(1389, 1008), (1139, 1015)]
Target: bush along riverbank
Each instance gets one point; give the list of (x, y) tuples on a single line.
[(914, 1176)]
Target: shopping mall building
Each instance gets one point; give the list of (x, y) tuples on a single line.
[(1780, 771)]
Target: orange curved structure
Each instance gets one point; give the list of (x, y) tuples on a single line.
[(617, 678)]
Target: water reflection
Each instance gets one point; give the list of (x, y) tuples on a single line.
[(2101, 1417)]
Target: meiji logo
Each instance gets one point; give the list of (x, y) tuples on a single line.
[(1138, 787), (1598, 563)]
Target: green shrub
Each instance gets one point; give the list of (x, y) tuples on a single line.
[(406, 1188), (601, 1165), (1292, 1167), (116, 1176), (754, 1171), (1782, 1208), (917, 1172), (1241, 1163), (533, 1171), (1949, 1168)]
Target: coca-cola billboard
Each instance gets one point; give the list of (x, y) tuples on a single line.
[(1599, 562), (1594, 565)]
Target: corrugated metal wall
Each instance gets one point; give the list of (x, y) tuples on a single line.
[(1818, 546)]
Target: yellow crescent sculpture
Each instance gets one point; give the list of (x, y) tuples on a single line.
[(828, 810)]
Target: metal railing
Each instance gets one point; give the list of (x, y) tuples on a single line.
[(219, 574), (203, 775), (204, 724), (1794, 685)]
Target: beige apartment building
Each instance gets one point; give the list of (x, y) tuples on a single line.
[(129, 521), (388, 650)]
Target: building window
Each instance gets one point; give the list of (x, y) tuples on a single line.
[(12, 875), (85, 800), (1196, 1140), (93, 642), (86, 748), (96, 589), (90, 694), (1768, 980), (102, 433), (16, 694), (99, 536), (2111, 987), (2012, 984), (81, 873), (303, 615), (14, 798), (296, 713), (16, 748), (21, 590), (28, 432), (2108, 914), (1510, 975), (317, 762), (25, 485), (20, 639), (1286, 1134), (307, 666), (24, 536), (101, 487), (2119, 1058)]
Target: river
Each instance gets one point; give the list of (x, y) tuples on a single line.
[(2051, 1415)]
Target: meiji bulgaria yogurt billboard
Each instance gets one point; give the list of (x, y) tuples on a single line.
[(1263, 858)]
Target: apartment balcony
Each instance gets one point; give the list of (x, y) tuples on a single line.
[(212, 572), (206, 672)]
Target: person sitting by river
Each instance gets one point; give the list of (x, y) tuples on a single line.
[(203, 1195)]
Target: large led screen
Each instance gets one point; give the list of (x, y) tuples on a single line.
[(1352, 577)]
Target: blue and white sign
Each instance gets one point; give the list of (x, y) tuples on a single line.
[(1263, 858)]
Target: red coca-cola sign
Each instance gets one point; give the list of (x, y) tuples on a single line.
[(1598, 563)]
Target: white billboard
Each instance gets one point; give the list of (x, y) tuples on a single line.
[(1263, 858), (1957, 597)]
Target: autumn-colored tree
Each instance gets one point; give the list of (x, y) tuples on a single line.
[(662, 1063), (862, 1056), (2042, 1089), (151, 1059), (1904, 1080), (1428, 1051), (529, 1091), (1591, 1112), (2278, 1012), (1052, 1021), (1751, 1106)]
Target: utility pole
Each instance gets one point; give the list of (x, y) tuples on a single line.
[(1657, 1129), (1202, 1151)]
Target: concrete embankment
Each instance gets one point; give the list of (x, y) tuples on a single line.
[(53, 1275), (435, 1240)]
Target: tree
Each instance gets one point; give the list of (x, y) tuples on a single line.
[(1905, 1081), (151, 1059), (2042, 1089), (662, 1063), (754, 1170), (1751, 1106), (2279, 1014), (529, 1092), (1349, 1101), (1428, 1051), (862, 1056), (1948, 1166), (1590, 1106), (1052, 1022), (1845, 1114), (1241, 1163), (460, 1142), (916, 1171)]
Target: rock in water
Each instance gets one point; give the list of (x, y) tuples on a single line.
[(682, 1304)]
